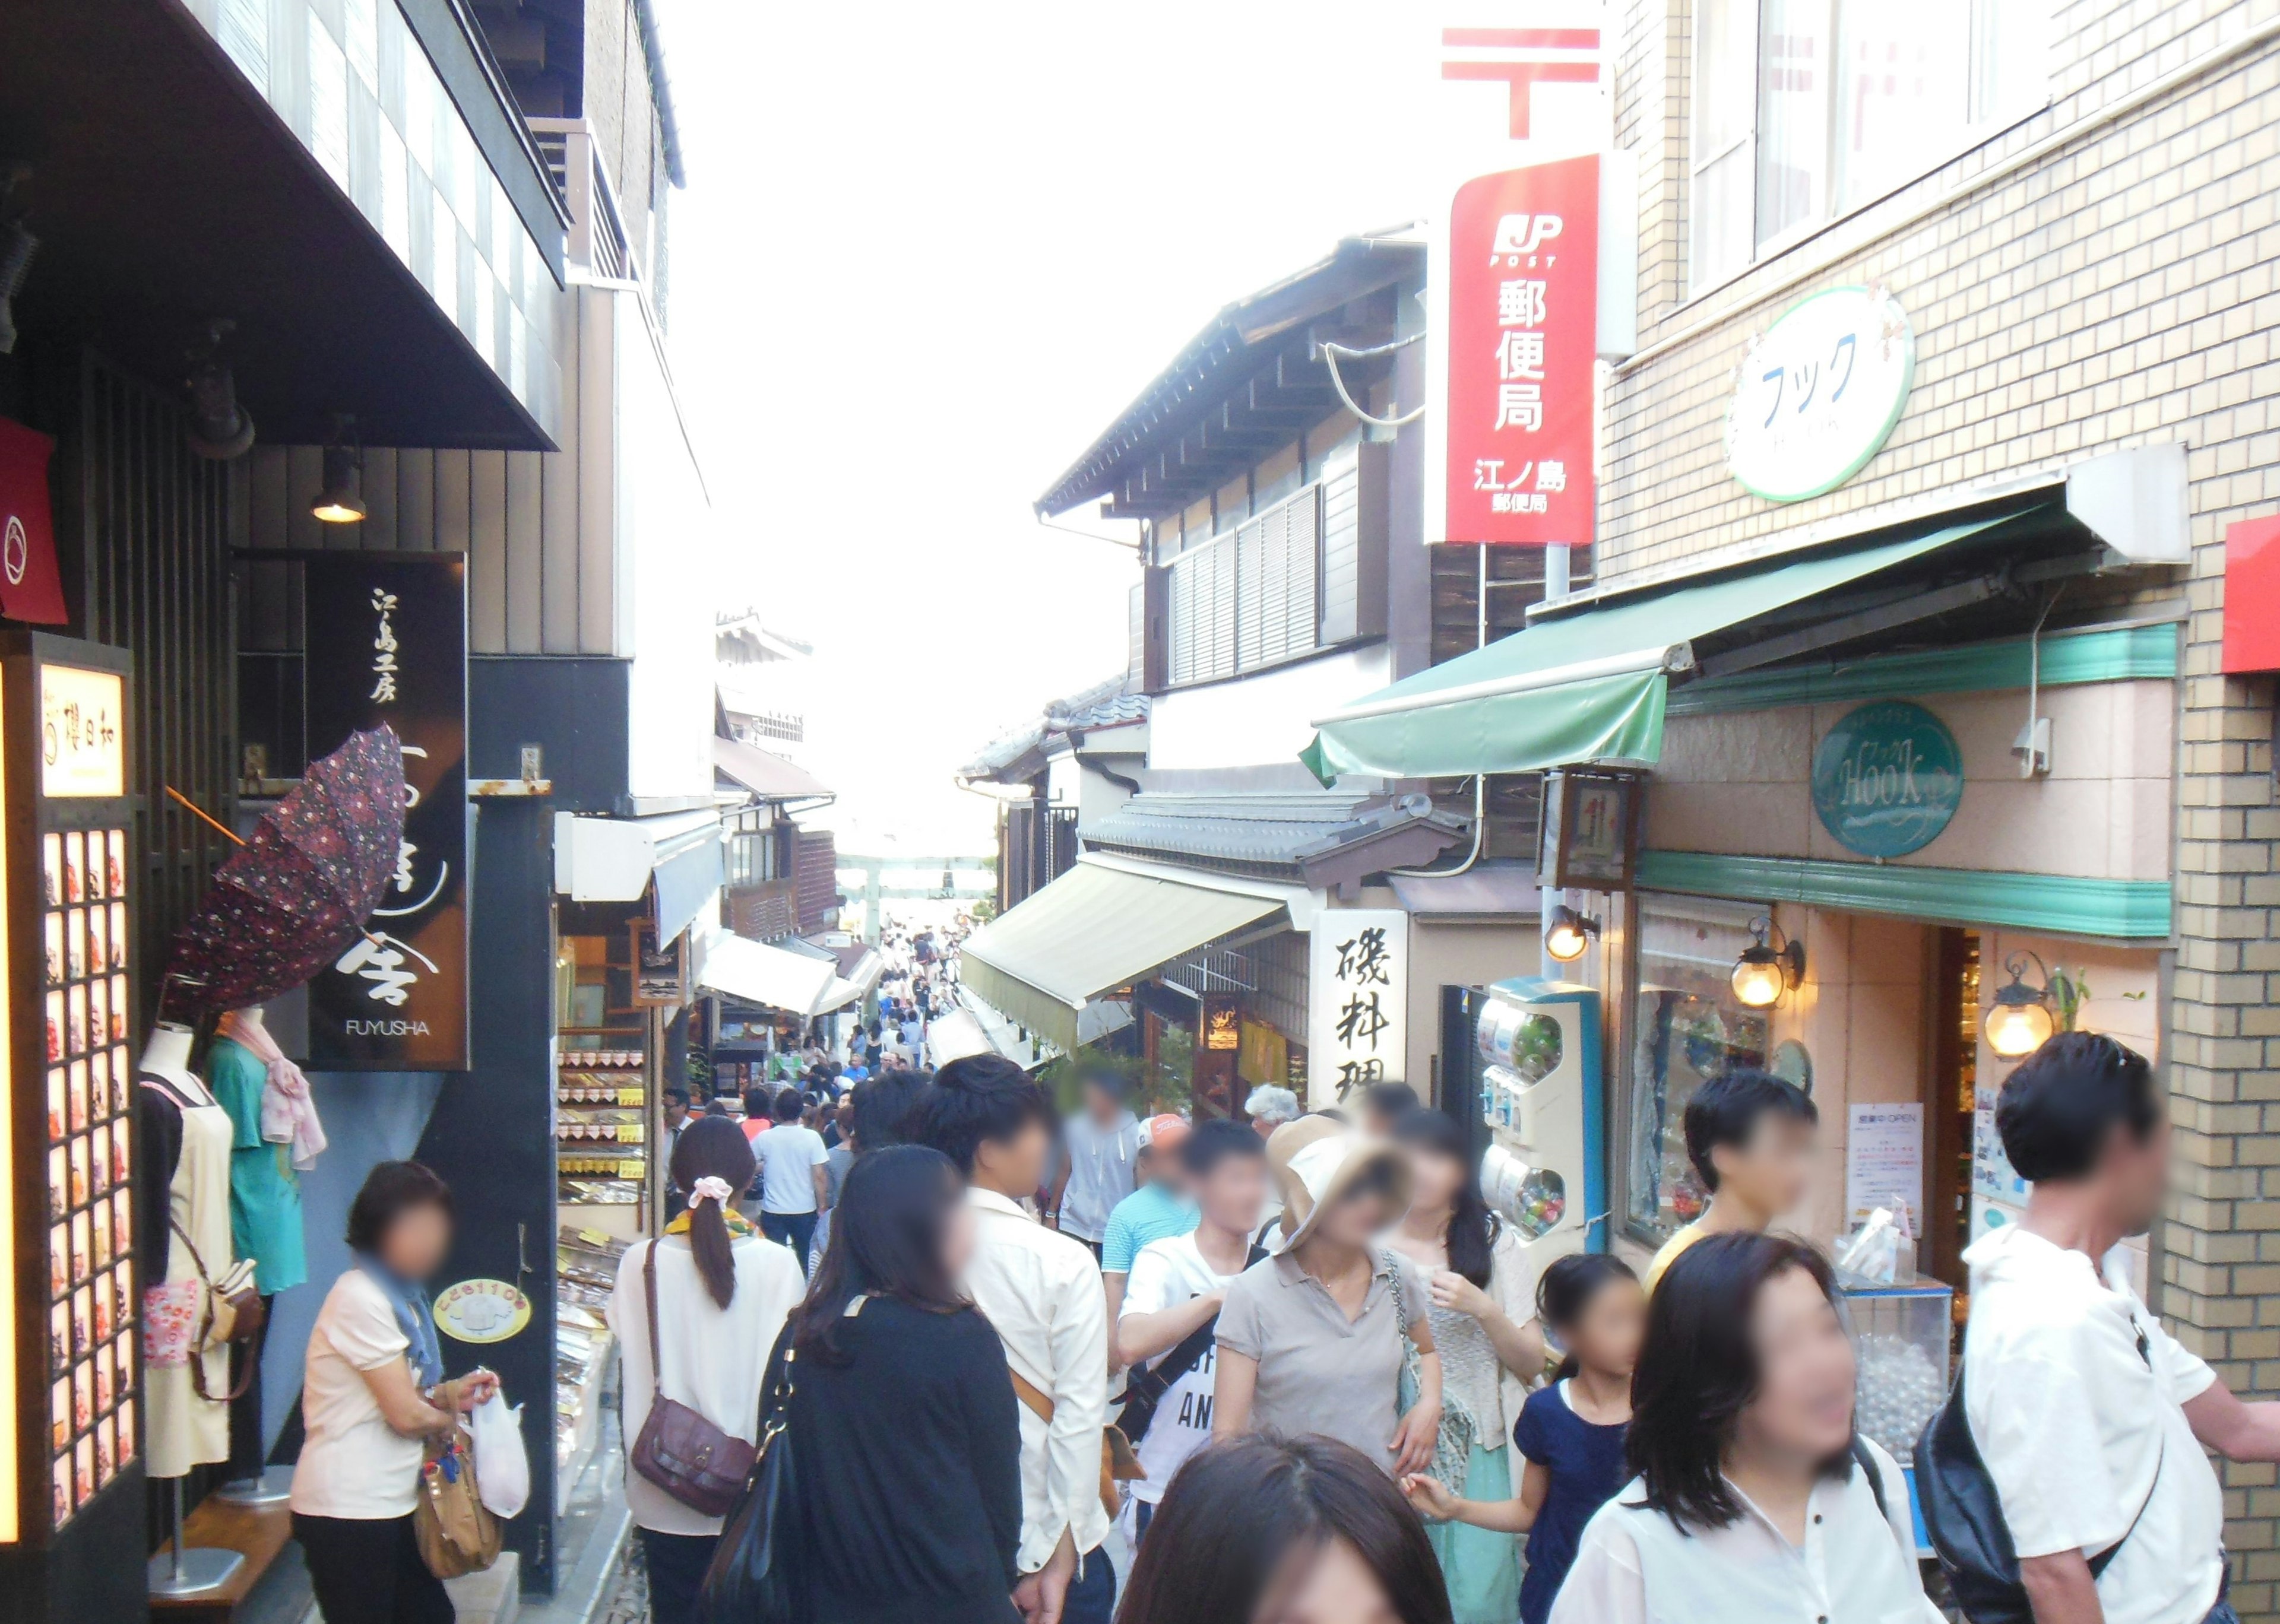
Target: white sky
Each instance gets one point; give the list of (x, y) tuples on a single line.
[(926, 254)]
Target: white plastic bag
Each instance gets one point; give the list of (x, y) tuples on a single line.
[(501, 1468)]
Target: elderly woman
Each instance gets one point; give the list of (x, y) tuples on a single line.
[(1314, 1340)]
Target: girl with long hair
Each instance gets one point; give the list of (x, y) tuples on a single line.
[(1752, 1497), (1481, 1282), (722, 1295), (902, 1414), (1263, 1530), (1571, 1433)]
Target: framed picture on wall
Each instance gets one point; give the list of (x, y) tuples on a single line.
[(1590, 832)]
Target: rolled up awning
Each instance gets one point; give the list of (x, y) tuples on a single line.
[(853, 985), (616, 859), (767, 774), (1094, 928), (1585, 687)]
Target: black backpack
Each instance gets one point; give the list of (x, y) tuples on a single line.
[(1964, 1517)]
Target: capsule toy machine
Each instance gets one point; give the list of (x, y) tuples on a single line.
[(1521, 1058)]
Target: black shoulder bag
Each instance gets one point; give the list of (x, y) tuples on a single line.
[(1145, 1387), (757, 1574), (1963, 1515)]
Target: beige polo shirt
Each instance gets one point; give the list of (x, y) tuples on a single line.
[(1318, 1371)]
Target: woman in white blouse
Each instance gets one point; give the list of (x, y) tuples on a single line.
[(723, 1293), (1754, 1499)]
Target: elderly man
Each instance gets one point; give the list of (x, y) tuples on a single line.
[(1269, 1106)]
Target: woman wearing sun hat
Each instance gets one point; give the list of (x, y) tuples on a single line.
[(1312, 1339)]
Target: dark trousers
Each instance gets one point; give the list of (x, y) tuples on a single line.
[(368, 1571), (1092, 1594), (794, 1229), (676, 1571)]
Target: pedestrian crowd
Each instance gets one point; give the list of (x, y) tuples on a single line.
[(1104, 1368)]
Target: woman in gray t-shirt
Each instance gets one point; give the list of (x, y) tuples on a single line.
[(1310, 1341)]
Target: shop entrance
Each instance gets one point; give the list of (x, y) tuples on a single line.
[(1954, 1083)]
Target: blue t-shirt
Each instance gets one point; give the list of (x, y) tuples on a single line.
[(1149, 1213), (1586, 1463)]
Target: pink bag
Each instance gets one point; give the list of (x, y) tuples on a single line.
[(170, 1321)]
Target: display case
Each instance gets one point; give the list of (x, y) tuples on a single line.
[(601, 1116), (1900, 1340), (67, 1233), (586, 1270), (1522, 1056)]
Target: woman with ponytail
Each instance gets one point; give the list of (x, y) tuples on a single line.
[(723, 1293)]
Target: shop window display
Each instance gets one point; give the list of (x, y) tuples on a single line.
[(1688, 1028)]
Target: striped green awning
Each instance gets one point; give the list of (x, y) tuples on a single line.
[(1590, 686)]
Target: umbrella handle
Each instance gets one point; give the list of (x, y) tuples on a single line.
[(215, 822)]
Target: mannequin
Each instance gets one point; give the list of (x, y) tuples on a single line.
[(264, 1221), (184, 1180)]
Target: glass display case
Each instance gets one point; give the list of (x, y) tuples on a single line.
[(1900, 1338)]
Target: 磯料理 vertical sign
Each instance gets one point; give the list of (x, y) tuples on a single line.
[(1522, 346), (1357, 998), (388, 642)]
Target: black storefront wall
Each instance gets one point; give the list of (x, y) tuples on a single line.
[(490, 1138)]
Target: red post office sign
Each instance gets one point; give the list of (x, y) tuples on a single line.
[(2252, 595), (1523, 330)]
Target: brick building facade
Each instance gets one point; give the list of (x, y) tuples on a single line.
[(2092, 270)]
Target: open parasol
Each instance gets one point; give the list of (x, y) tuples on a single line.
[(290, 900)]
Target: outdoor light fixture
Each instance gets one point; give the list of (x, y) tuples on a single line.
[(219, 430), (1764, 971), (2020, 1021), (1568, 933), (340, 502)]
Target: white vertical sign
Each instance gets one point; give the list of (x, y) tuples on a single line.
[(1358, 1002)]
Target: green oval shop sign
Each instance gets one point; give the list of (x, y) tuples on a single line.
[(1818, 394), (1886, 779)]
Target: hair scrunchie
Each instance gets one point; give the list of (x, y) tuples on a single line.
[(710, 1188)]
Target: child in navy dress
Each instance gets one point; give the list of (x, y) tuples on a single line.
[(1570, 1432)]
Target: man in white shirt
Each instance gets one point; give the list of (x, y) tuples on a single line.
[(1102, 1145), (2090, 1419), (1171, 1307), (795, 1185), (1042, 1292)]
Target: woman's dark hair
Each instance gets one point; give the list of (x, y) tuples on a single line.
[(982, 1098), (1232, 1516), (883, 1105), (1472, 1227), (758, 1104), (2059, 1109), (1699, 1371), (1566, 1290), (713, 1148), (886, 1241), (391, 1191)]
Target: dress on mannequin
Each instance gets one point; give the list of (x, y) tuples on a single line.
[(184, 1181), (265, 1214)]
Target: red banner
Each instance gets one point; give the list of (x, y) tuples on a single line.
[(31, 589), (1522, 336)]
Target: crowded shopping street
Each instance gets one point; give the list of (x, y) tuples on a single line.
[(1301, 812)]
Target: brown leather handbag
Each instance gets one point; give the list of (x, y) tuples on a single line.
[(230, 1310), (678, 1450)]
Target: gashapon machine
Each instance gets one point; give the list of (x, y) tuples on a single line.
[(1522, 1059)]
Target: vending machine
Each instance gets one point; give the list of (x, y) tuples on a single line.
[(71, 1498), (1521, 1058)]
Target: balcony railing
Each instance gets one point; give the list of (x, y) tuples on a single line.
[(597, 243)]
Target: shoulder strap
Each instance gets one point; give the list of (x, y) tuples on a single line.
[(1033, 1396), (1867, 1463), (197, 1262), (648, 1291), (2104, 1560)]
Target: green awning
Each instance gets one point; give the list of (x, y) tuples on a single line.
[(1093, 930), (1585, 687)]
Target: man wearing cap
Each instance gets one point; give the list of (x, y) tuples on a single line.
[(1311, 1340), (1160, 1208)]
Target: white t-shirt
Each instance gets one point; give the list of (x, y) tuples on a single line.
[(353, 1464), (2076, 1398), (1165, 1274), (788, 1153)]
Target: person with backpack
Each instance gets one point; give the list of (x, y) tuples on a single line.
[(1752, 1497), (2069, 1486), (1170, 1315)]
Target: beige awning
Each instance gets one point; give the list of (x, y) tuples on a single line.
[(772, 977), (1093, 930), (767, 774)]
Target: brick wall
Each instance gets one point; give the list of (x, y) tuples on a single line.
[(2117, 291)]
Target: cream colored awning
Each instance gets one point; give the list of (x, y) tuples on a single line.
[(1093, 930)]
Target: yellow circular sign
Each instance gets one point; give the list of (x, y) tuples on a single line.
[(481, 1310)]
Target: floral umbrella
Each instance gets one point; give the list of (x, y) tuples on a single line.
[(291, 899)]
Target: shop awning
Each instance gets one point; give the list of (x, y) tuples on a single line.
[(1094, 928), (615, 859), (1588, 687), (772, 977), (853, 985), (767, 775)]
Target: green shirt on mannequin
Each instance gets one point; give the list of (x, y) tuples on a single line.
[(265, 1192)]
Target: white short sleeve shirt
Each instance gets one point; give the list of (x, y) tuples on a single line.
[(2076, 1398), (1165, 1274), (354, 1465)]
